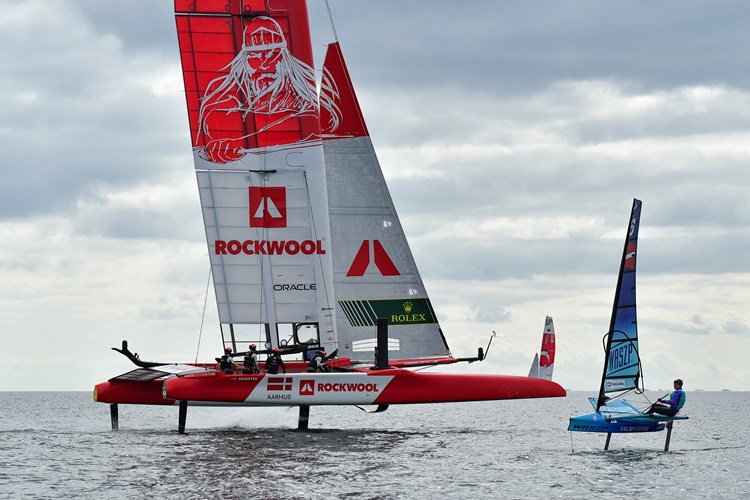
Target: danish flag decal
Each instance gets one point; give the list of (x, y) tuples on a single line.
[(267, 206), (382, 261), (279, 384)]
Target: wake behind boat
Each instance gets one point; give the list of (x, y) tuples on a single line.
[(622, 363), (307, 251)]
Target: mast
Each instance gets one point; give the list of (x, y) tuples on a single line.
[(622, 333)]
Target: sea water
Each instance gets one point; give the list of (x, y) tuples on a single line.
[(60, 445)]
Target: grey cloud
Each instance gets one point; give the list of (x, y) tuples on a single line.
[(736, 328), (78, 113), (517, 46)]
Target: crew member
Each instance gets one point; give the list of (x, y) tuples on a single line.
[(226, 363), (274, 361), (317, 362), (250, 363)]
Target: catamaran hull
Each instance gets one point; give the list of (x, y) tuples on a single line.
[(386, 387), (131, 392), (594, 422)]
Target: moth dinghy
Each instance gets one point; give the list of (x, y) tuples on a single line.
[(623, 372), (306, 248)]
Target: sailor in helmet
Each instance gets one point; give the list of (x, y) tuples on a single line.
[(226, 363), (274, 361), (250, 364)]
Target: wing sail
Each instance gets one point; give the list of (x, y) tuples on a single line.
[(255, 129), (375, 275)]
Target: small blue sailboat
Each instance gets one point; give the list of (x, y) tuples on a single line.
[(622, 372)]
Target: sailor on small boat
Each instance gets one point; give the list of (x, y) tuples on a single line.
[(673, 405)]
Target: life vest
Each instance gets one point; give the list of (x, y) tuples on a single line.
[(250, 363), (272, 364), (681, 401), (225, 364)]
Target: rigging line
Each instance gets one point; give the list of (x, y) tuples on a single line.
[(641, 378), (333, 27), (203, 316)]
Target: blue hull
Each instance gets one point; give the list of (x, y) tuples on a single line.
[(594, 422)]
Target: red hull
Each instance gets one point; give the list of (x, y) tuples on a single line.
[(130, 392), (382, 387), (410, 387)]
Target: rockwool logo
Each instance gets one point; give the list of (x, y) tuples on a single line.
[(382, 261), (307, 388), (348, 387), (267, 206)]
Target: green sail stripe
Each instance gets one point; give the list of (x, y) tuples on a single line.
[(396, 311)]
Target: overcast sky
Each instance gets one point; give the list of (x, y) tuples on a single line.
[(514, 136)]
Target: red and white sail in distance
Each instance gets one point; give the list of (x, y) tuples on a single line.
[(544, 361), (255, 127), (375, 275)]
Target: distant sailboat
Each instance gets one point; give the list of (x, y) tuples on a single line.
[(622, 363), (306, 249), (544, 360)]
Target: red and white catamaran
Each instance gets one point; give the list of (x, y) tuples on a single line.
[(305, 245)]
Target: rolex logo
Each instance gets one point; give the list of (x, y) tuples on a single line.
[(408, 306)]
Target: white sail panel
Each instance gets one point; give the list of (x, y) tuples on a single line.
[(267, 254), (534, 370), (374, 271)]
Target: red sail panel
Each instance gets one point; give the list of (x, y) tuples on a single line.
[(340, 114), (249, 78), (548, 350)]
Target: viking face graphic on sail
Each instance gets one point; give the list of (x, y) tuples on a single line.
[(264, 78)]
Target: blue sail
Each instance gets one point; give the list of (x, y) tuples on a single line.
[(622, 367)]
